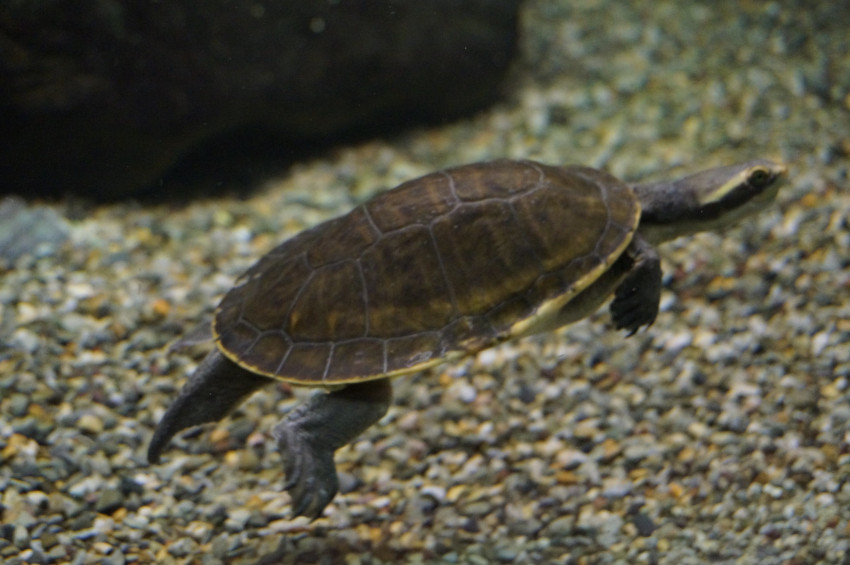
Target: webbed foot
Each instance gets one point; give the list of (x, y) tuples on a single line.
[(311, 478), (314, 430), (637, 298)]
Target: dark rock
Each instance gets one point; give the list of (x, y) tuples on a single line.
[(34, 429), (81, 521), (109, 500), (103, 97), (644, 524), (128, 486)]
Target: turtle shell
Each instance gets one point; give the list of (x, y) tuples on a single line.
[(444, 265)]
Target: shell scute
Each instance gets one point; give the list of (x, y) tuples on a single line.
[(415, 202)]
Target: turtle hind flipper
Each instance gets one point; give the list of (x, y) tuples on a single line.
[(215, 388)]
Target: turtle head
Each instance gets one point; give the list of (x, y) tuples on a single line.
[(709, 200)]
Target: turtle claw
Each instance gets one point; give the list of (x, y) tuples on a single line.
[(310, 434), (309, 468), (637, 298), (630, 309)]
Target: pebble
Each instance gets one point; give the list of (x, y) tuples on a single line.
[(201, 531), (644, 524), (20, 536), (182, 547), (437, 492), (25, 340), (115, 557), (27, 229), (37, 499), (90, 423), (237, 519), (569, 459), (18, 405), (109, 500), (560, 527), (616, 488)]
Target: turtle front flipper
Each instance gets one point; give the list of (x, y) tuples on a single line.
[(215, 388), (312, 431), (637, 298)]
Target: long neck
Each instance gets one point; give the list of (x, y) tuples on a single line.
[(663, 205), (708, 200)]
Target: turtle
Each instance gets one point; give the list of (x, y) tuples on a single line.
[(441, 267)]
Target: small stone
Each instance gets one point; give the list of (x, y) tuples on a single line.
[(507, 554), (587, 429), (473, 557), (606, 525), (644, 524), (25, 340), (25, 519), (567, 477), (37, 498), (20, 537), (571, 459), (209, 559), (237, 518), (199, 530), (36, 557), (698, 430), (49, 539), (463, 391), (57, 553), (560, 527), (438, 493), (220, 547), (18, 405), (136, 521), (90, 423), (678, 341), (616, 488), (408, 422), (182, 547), (109, 500), (219, 435), (455, 492), (477, 509), (115, 557), (27, 313), (637, 452), (28, 229)]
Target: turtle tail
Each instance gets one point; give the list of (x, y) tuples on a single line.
[(216, 387)]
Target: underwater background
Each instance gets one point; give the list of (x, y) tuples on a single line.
[(721, 434)]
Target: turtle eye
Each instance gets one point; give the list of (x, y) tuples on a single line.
[(759, 177)]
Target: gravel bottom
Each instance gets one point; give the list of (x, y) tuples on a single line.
[(719, 435)]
